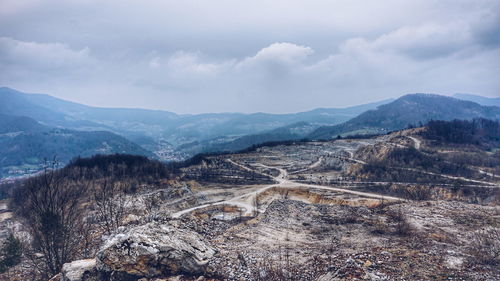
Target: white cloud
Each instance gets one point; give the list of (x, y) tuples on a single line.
[(41, 56), (186, 63), (283, 53), (424, 41)]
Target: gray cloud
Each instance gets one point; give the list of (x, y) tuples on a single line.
[(278, 56)]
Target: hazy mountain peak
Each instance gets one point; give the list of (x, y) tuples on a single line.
[(479, 99)]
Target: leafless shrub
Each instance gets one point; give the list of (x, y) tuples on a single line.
[(152, 203), (397, 216), (332, 247), (282, 270), (396, 222), (351, 216), (485, 246), (417, 242), (89, 242), (52, 210), (110, 203), (379, 226)]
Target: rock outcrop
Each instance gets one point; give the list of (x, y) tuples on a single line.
[(154, 250), (148, 251), (76, 270)]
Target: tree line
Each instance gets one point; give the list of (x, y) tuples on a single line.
[(478, 131)]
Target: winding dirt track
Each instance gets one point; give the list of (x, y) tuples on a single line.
[(245, 201)]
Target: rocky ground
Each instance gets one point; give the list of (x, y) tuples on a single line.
[(302, 212), (293, 240)]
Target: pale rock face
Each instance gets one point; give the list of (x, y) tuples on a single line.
[(75, 270), (154, 250)]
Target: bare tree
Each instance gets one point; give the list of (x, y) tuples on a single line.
[(110, 203), (51, 209)]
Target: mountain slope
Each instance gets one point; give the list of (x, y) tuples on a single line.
[(31, 148), (25, 143), (479, 99), (408, 110), (11, 124), (16, 104)]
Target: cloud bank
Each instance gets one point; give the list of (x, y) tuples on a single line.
[(284, 56)]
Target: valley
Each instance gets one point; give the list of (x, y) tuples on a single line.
[(30, 125), (301, 211)]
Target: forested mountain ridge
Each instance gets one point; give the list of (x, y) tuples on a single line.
[(413, 109)]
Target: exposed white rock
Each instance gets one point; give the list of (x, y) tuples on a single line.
[(155, 249), (74, 271)]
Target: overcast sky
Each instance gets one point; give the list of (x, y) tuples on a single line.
[(247, 56)]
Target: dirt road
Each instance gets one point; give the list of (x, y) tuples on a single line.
[(245, 201)]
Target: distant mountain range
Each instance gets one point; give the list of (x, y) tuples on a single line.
[(411, 109), (479, 99), (38, 126), (163, 131)]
